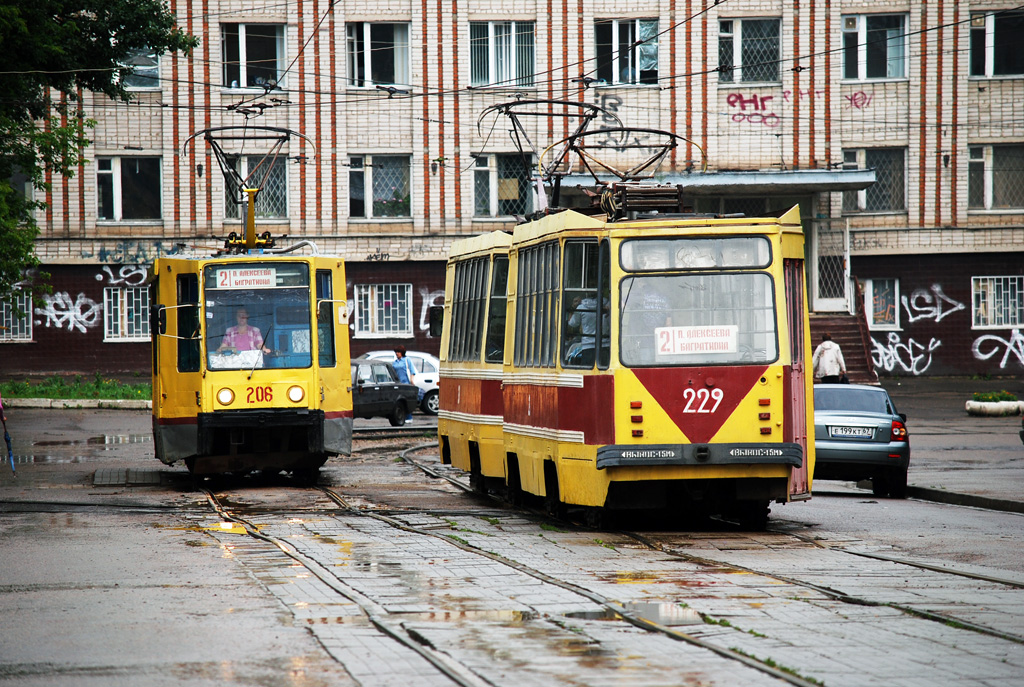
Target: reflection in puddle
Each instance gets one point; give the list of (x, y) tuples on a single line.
[(663, 613), (103, 440)]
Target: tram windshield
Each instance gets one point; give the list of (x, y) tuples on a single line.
[(697, 319), (257, 315)]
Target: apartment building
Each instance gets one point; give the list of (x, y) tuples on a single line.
[(897, 127)]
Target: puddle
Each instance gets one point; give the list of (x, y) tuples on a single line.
[(663, 613), (103, 440), (495, 616)]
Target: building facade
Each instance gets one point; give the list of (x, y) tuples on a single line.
[(896, 127)]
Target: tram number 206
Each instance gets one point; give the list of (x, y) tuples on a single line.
[(263, 394), (698, 400)]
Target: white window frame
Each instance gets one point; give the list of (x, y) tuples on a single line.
[(869, 305), (856, 158), (151, 72), (114, 172), (364, 79), (487, 164), (983, 156), (735, 35), (243, 163), (14, 329), (368, 300), (125, 313), (857, 24), (509, 55), (364, 163), (985, 22), (243, 66), (996, 302), (634, 57)]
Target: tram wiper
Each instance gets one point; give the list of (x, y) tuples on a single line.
[(259, 352)]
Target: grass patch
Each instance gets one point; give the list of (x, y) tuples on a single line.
[(77, 387)]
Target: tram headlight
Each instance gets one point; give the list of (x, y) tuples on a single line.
[(296, 394), (225, 396)]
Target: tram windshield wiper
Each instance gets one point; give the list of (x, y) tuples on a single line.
[(259, 352)]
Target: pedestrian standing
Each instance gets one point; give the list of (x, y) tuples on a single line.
[(406, 372), (828, 362)]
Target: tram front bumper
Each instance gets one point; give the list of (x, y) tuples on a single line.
[(634, 455)]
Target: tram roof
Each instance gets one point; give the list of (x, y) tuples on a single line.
[(483, 243)]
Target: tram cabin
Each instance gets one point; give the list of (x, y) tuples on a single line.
[(633, 364), (250, 362)]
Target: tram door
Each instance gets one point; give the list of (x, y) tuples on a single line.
[(796, 388)]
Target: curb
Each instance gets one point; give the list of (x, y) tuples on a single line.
[(72, 403), (988, 503)]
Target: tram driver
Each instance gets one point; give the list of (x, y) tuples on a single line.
[(242, 336)]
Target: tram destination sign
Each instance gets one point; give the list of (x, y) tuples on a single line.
[(246, 277), (717, 338)]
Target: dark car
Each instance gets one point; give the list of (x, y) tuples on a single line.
[(376, 392), (859, 435)]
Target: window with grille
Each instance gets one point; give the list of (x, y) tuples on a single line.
[(536, 328), (16, 317), (387, 178), (501, 53), (626, 51), (995, 177), (874, 46), (383, 310), (997, 302), (127, 188), (756, 43), (126, 313), (252, 54), (882, 303), (995, 43), (503, 185), (270, 176), (377, 53), (145, 64), (888, 193)]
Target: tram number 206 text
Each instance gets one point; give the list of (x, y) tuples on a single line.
[(702, 400), (263, 394)]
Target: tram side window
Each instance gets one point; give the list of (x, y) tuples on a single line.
[(468, 304), (537, 306), (494, 351), (585, 317), (325, 318), (188, 323)]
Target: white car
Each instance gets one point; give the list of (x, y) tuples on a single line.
[(428, 369)]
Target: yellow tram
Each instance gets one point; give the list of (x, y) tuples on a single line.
[(250, 360), (657, 362)]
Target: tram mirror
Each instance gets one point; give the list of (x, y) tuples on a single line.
[(161, 319), (436, 314)]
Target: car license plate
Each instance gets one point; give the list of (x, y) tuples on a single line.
[(866, 432)]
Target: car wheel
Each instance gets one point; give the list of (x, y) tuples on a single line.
[(397, 416), (897, 480), (430, 403)]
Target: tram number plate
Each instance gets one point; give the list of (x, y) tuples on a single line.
[(259, 394), (850, 432)]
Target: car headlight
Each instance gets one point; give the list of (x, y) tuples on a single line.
[(296, 394), (226, 396)]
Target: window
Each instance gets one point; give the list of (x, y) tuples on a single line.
[(995, 44), (537, 306), (388, 178), (586, 315), (888, 193), (494, 351), (126, 313), (998, 302), (619, 60), (189, 334), (252, 54), (882, 303), (995, 177), (383, 310), (16, 317), (127, 188), (874, 46), (756, 42), (270, 176), (502, 186), (501, 53), (377, 54), (325, 317), (146, 69), (468, 304)]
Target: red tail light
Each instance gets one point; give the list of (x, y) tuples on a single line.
[(899, 431)]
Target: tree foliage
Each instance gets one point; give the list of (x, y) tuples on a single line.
[(53, 51)]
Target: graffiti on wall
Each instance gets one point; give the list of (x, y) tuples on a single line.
[(985, 347), (428, 299), (753, 109), (61, 312), (910, 357), (127, 275), (134, 252), (930, 305)]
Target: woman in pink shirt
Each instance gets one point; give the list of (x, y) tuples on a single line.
[(242, 337)]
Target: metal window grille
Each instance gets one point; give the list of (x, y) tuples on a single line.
[(270, 176), (998, 302), (12, 326), (760, 50), (390, 174), (888, 191), (1008, 176), (126, 313), (383, 310)]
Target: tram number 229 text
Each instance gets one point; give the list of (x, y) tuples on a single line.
[(263, 394), (697, 400)]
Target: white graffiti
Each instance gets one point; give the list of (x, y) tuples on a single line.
[(429, 298), (1015, 345), (128, 275), (81, 314), (911, 357), (934, 305)]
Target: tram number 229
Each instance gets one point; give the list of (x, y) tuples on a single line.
[(697, 400), (263, 394)]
